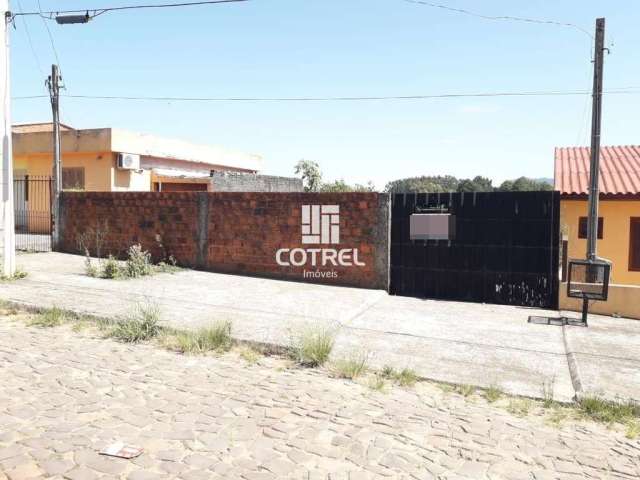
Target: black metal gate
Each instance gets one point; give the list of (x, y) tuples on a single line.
[(505, 251), (32, 211)]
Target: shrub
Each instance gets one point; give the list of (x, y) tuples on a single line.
[(350, 367), (313, 345), (111, 268), (89, 268), (52, 317), (138, 262), (142, 324)]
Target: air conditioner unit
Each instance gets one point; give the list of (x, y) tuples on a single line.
[(128, 161)]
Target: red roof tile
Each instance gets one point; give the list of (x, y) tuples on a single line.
[(619, 170)]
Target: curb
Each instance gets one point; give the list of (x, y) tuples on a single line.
[(572, 361)]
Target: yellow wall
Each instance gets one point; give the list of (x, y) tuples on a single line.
[(614, 245), (623, 300), (97, 167)]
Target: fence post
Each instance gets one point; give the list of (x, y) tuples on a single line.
[(202, 229)]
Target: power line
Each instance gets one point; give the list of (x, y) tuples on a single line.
[(624, 90), (99, 11), (501, 17), (53, 46), (33, 50)]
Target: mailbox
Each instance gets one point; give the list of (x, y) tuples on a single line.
[(589, 279)]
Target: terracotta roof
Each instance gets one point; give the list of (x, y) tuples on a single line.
[(38, 127), (619, 170)]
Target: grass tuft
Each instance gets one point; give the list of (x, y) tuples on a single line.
[(492, 394), (17, 275), (607, 411), (142, 324), (633, 430), (312, 347), (407, 377), (53, 317), (464, 390), (520, 406), (350, 367), (377, 382), (548, 392), (388, 372), (208, 339), (249, 355)]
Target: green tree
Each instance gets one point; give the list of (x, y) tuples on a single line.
[(342, 186), (311, 175), (525, 184), (477, 184), (428, 184)]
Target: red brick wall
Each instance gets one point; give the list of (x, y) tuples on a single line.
[(230, 232)]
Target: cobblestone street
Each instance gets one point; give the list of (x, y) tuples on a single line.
[(65, 395)]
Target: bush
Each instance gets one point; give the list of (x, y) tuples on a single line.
[(313, 345), (111, 268), (138, 262), (89, 268), (142, 324)]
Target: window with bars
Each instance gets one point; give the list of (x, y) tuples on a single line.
[(73, 178)]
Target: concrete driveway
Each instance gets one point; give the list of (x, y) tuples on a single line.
[(482, 345)]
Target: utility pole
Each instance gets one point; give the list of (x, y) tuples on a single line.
[(596, 120), (6, 182), (594, 173), (54, 92)]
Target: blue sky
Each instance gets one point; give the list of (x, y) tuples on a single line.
[(275, 48)]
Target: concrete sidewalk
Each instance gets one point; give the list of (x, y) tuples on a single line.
[(482, 345)]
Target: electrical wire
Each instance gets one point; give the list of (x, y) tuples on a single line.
[(49, 15), (33, 50), (53, 45), (624, 90), (500, 17)]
